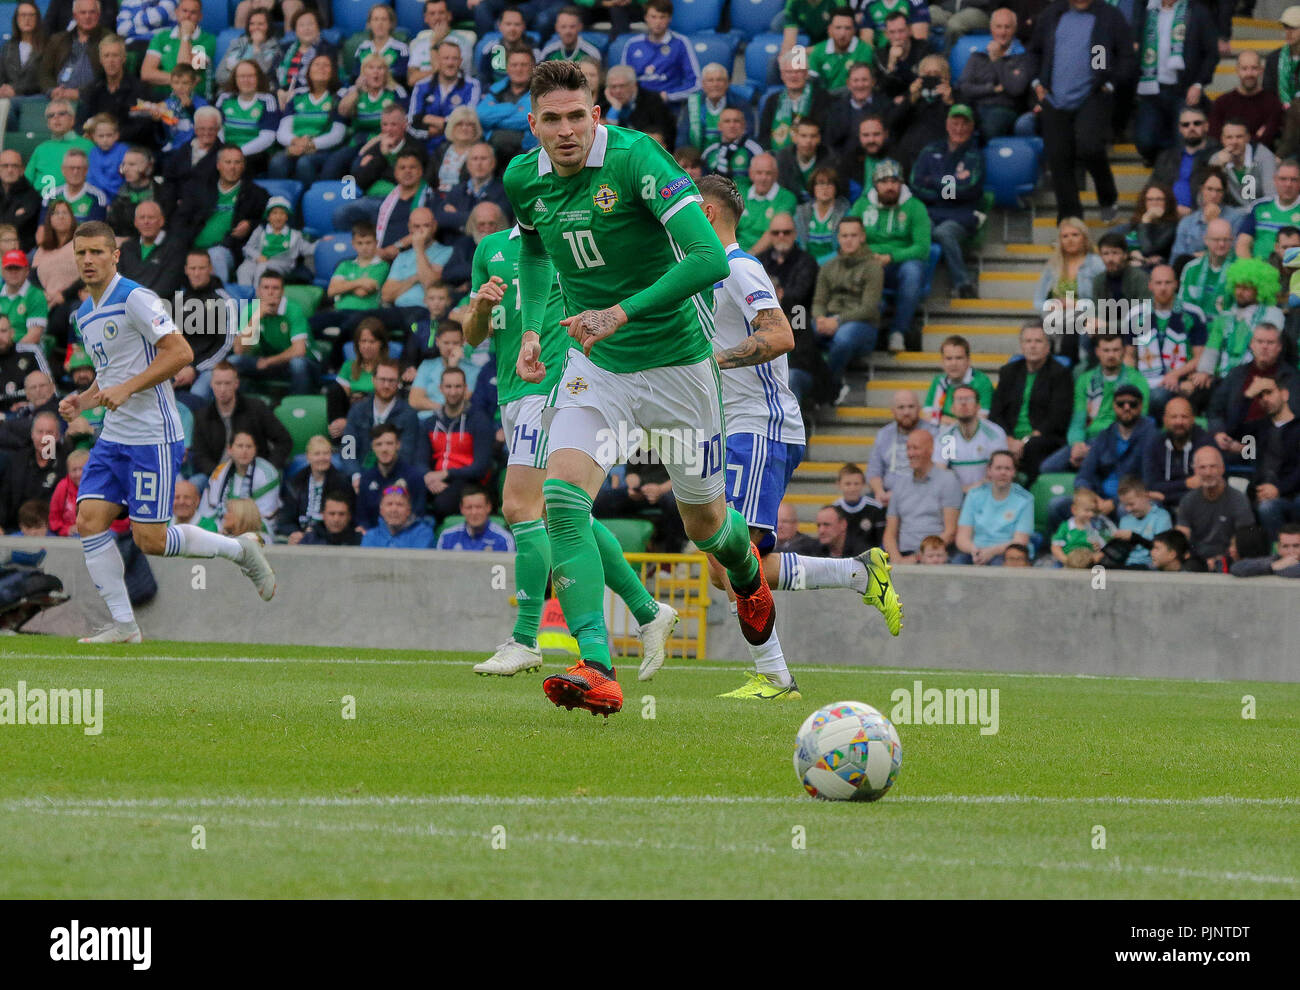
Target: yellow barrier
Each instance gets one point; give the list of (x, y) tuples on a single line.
[(677, 579)]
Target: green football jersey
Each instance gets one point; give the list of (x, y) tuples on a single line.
[(832, 67), (1267, 218), (370, 109), (352, 270), (313, 115), (1230, 334), (604, 230), (498, 254), (823, 236), (26, 307), (1204, 287), (759, 211), (168, 46), (242, 123), (218, 225)]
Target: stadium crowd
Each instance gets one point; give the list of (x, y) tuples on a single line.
[(339, 162)]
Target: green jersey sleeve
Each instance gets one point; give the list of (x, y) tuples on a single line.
[(536, 273)]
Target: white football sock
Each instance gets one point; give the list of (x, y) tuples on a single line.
[(194, 541), (104, 562), (769, 660), (800, 573)]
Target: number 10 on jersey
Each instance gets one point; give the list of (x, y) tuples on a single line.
[(583, 246)]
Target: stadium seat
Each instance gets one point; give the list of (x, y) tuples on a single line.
[(330, 252), (318, 206), (238, 291), (742, 91), (31, 114), (333, 35), (290, 189), (7, 19), (1011, 173), (225, 39), (615, 54), (215, 18), (598, 38), (1046, 488), (713, 47), (633, 535), (693, 16), (969, 44), (754, 17), (759, 55), (23, 142), (350, 16), (304, 416), (410, 15), (308, 297)]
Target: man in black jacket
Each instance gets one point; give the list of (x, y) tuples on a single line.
[(138, 185), (230, 413), (334, 529), (1035, 425), (20, 203), (1082, 51), (1189, 35), (208, 223), (33, 474), (995, 81), (1167, 461), (848, 111), (154, 256), (208, 316), (115, 92), (629, 105), (1276, 485), (373, 164), (195, 162)]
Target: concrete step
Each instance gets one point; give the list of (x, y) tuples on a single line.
[(876, 415), (981, 311), (1008, 282), (827, 445), (997, 346), (1045, 227), (908, 364)]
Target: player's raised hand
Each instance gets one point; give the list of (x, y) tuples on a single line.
[(594, 325), (70, 407), (529, 367), (490, 293)]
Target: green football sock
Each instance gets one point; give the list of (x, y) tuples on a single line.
[(621, 578), (730, 544), (579, 578), (532, 567)]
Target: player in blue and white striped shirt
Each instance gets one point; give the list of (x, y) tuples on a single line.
[(137, 349)]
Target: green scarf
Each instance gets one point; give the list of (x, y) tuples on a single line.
[(787, 113), (1286, 66), (699, 122), (1150, 85)]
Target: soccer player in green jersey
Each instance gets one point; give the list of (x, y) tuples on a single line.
[(496, 310), (620, 221)]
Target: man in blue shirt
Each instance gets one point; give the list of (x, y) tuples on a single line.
[(664, 60), (994, 515), (478, 531), (1075, 90), (400, 528)]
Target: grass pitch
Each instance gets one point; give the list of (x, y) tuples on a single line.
[(450, 785)]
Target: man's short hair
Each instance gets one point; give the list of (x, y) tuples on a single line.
[(224, 365), (896, 14), (556, 74), (851, 219), (722, 191), (390, 363), (380, 429), (1176, 541), (338, 496), (1034, 324), (661, 6), (1131, 484), (197, 253), (469, 491), (848, 470), (363, 228), (956, 340), (687, 156), (1002, 453), (447, 326), (964, 387), (409, 153), (453, 371), (1290, 231), (1290, 529), (843, 516), (76, 153), (1016, 546), (274, 276), (1112, 240), (844, 12), (518, 48), (96, 228)]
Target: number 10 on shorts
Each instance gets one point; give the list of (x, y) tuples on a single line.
[(713, 455)]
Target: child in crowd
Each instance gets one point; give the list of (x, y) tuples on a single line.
[(106, 157), (1169, 550), (356, 282), (175, 115), (866, 515), (63, 502), (276, 247), (1086, 530), (1015, 555), (1141, 521), (33, 517), (932, 551)]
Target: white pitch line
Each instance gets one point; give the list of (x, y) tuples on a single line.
[(703, 800), (557, 665), (894, 858)]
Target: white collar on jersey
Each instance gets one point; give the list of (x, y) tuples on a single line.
[(514, 232), (595, 157), (107, 293)]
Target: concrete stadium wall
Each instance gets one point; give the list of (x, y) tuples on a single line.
[(1195, 626)]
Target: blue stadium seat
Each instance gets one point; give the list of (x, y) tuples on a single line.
[(318, 206), (760, 53), (238, 291), (350, 15), (336, 37), (713, 47), (1010, 169), (754, 17), (598, 38), (693, 16), (7, 18), (290, 189), (615, 54), (410, 15), (215, 18), (970, 43), (742, 91), (224, 40), (330, 251)]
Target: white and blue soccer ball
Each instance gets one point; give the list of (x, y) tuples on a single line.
[(847, 751)]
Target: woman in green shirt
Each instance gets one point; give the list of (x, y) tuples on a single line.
[(364, 105), (354, 381), (816, 222), (250, 115), (310, 128)]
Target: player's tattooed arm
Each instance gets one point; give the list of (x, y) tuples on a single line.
[(771, 338), (592, 325)]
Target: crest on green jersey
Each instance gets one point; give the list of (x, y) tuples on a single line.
[(606, 198)]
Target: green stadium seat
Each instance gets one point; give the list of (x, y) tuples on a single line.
[(307, 297), (633, 535), (23, 142), (304, 417), (1046, 488), (31, 115)]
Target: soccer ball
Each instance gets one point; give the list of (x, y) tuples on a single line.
[(847, 751)]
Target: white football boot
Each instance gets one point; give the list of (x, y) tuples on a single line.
[(654, 640), (255, 567), (510, 658), (118, 632)]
